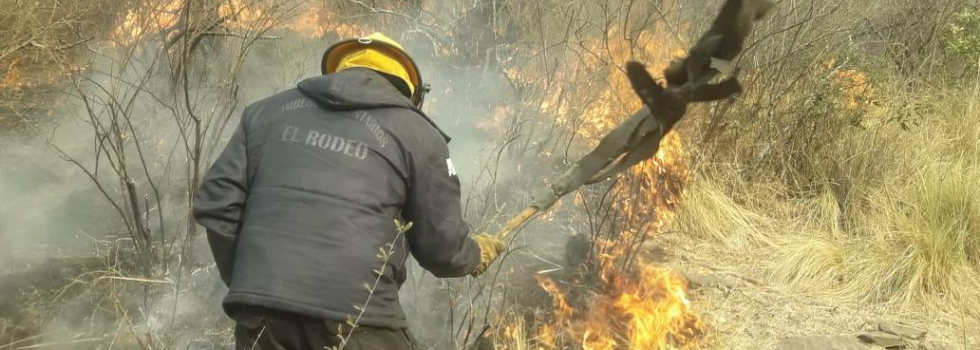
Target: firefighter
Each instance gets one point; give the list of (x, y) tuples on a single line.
[(306, 192)]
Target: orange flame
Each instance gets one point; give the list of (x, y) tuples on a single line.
[(853, 85), (648, 311), (315, 23), (142, 21), (244, 16), (12, 79), (655, 324), (648, 308), (312, 22)]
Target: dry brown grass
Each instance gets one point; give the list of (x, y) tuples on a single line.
[(41, 41), (848, 174), (40, 32), (928, 240), (897, 221), (812, 264), (709, 213)]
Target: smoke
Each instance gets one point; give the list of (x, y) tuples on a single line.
[(50, 216), (53, 213), (467, 101), (57, 226), (41, 202)]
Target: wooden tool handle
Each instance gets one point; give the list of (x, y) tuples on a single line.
[(516, 222)]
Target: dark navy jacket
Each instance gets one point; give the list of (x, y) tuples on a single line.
[(307, 190)]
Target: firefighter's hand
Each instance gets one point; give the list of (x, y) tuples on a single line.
[(490, 248)]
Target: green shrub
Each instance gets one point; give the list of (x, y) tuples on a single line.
[(962, 35)]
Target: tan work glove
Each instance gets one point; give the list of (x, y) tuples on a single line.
[(490, 248)]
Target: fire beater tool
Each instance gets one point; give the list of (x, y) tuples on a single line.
[(688, 80)]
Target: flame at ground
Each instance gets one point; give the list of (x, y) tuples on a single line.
[(655, 324), (646, 311), (634, 304)]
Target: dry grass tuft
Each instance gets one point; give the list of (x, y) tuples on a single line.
[(928, 246), (514, 336), (811, 264), (709, 213), (893, 218)]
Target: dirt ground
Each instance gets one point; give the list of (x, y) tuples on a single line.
[(743, 311)]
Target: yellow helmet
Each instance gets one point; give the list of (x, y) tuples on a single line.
[(377, 52)]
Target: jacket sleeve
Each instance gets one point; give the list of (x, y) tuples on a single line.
[(439, 239), (220, 200)]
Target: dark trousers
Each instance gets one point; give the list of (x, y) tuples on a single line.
[(257, 329)]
